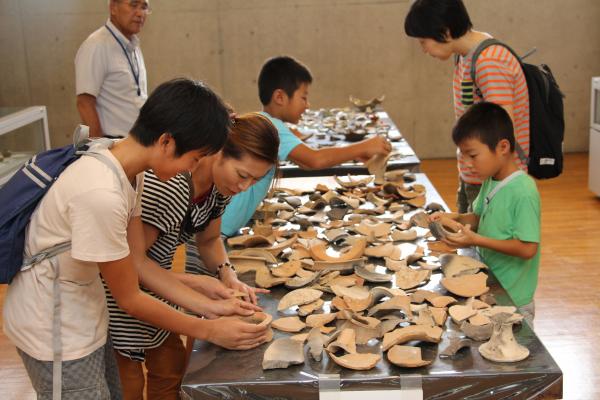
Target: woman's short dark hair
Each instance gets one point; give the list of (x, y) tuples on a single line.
[(487, 122), (436, 19), (189, 111), (281, 73)]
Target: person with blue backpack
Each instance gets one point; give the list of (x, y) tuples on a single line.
[(55, 312)]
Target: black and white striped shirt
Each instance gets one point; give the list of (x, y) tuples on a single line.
[(164, 205)]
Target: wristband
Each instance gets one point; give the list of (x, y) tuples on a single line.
[(225, 264)]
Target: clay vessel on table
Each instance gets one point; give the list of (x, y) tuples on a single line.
[(502, 346)]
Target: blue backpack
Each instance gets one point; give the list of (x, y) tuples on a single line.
[(19, 198)]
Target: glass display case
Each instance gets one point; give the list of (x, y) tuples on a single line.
[(23, 133)]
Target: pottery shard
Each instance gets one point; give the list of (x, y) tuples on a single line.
[(439, 315), (405, 236), (478, 333), (316, 341), (459, 313), (440, 247), (479, 320), (454, 346), (420, 219), (442, 301), (377, 166), (282, 353), (265, 279), (395, 265), (379, 292), (253, 252), (298, 297), (406, 356), (300, 281), (467, 286), (318, 320), (431, 334), (309, 308), (419, 296), (417, 202), (454, 265), (301, 337), (250, 241), (318, 251), (407, 278), (345, 340), (287, 269), (288, 324), (381, 251), (356, 298), (370, 276), (357, 361), (502, 346), (258, 318), (395, 303)]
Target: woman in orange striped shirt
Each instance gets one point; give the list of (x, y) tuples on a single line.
[(444, 29)]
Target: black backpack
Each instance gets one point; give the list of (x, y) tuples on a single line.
[(546, 116)]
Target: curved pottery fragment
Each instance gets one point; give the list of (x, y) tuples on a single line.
[(401, 303), (318, 251), (407, 278), (432, 334), (249, 241), (478, 333), (298, 297), (352, 183), (288, 324), (345, 340), (315, 342), (406, 356), (502, 346), (282, 353), (362, 105), (456, 343), (456, 265), (287, 270), (357, 361), (377, 166), (371, 276), (467, 286)]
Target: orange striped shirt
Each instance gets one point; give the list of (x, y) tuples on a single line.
[(500, 79)]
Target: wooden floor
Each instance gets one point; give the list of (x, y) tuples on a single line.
[(568, 297)]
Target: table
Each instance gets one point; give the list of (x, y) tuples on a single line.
[(403, 155), (215, 373)]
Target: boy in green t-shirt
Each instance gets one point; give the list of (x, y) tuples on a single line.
[(505, 223)]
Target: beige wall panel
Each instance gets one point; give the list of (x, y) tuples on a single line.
[(14, 85)]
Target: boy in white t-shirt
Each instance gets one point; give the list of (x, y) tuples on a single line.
[(97, 209)]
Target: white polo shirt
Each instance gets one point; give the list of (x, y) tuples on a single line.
[(103, 70)]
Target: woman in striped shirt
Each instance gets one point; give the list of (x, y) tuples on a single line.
[(173, 212), (444, 29)]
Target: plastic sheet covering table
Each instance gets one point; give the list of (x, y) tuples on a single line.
[(215, 373), (403, 156)]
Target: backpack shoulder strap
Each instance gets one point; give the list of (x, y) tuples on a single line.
[(500, 185)]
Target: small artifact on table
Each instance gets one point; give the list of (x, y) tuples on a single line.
[(298, 297), (282, 353), (407, 356), (288, 324), (431, 334), (456, 343), (477, 332), (454, 265), (502, 346), (467, 286), (377, 166), (362, 105)]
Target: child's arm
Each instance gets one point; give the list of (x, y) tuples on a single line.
[(212, 252), (309, 158), (462, 219), (122, 280), (512, 247)]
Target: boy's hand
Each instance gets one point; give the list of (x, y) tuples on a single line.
[(234, 334), (230, 280), (233, 306), (210, 287), (373, 146), (465, 237)]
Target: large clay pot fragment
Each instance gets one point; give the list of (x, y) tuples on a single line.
[(288, 324), (431, 334), (454, 265), (467, 285), (318, 251), (357, 361), (408, 278), (282, 353), (371, 276), (502, 346), (298, 297)]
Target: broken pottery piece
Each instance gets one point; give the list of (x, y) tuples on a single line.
[(282, 353), (245, 264), (316, 341), (395, 265), (406, 356), (502, 346), (288, 324), (258, 318), (365, 322), (293, 201), (457, 265), (433, 207), (440, 247), (381, 251), (356, 361), (249, 241), (334, 235), (377, 201), (368, 226), (489, 312), (404, 236), (425, 318), (407, 278), (417, 202), (377, 166), (318, 320), (439, 231), (318, 251), (277, 248), (439, 315), (301, 337), (459, 313), (488, 298), (342, 266), (419, 296), (379, 292), (479, 320), (431, 334), (253, 252), (369, 275), (477, 304), (265, 279), (287, 269), (309, 308), (395, 303), (345, 340), (420, 219), (363, 105), (456, 343), (301, 281), (298, 297), (467, 286), (352, 183), (442, 301), (357, 298), (478, 333)]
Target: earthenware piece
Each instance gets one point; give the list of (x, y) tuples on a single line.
[(345, 340), (406, 356), (502, 346), (461, 312), (363, 105), (287, 269), (265, 279), (357, 361), (377, 166), (456, 344), (250, 241), (368, 274), (407, 278), (301, 281), (395, 303), (316, 341), (456, 265), (288, 324), (442, 301), (318, 320), (478, 333), (318, 251), (424, 333), (309, 308), (298, 297), (282, 353), (352, 183), (404, 236), (356, 298), (467, 285)]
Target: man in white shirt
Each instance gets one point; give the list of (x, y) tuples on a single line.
[(110, 75)]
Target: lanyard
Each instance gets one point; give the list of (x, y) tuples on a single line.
[(499, 186), (136, 76)]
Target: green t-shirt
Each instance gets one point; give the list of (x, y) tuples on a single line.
[(513, 213)]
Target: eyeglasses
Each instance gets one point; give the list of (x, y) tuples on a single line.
[(139, 5)]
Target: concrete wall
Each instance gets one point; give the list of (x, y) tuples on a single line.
[(352, 47)]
